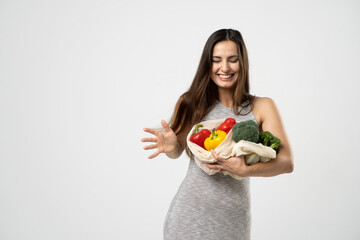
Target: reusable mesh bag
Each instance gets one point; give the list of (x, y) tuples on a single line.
[(253, 152)]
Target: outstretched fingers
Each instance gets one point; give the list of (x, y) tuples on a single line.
[(152, 131), (150, 147), (165, 126), (149, 139), (162, 141), (154, 155)]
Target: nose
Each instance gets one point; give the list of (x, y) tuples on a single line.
[(225, 66)]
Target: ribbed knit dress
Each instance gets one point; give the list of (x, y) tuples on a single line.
[(215, 207)]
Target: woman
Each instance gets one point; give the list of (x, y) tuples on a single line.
[(218, 206)]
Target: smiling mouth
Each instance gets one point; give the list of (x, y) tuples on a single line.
[(225, 77)]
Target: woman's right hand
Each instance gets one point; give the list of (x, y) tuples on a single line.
[(165, 142)]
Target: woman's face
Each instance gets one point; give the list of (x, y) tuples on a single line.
[(225, 64)]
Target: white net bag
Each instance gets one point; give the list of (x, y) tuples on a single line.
[(253, 152)]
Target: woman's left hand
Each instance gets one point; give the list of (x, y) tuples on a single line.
[(235, 165)]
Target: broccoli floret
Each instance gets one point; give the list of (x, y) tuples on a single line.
[(246, 130), (248, 122), (275, 143), (267, 139)]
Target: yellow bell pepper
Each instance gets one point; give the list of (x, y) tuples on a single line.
[(215, 139)]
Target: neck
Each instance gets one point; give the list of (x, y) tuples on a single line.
[(226, 97)]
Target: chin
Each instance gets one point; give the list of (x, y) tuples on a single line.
[(226, 85)]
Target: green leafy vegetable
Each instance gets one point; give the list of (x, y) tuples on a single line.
[(268, 139), (246, 130)]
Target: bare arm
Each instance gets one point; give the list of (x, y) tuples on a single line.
[(271, 121)]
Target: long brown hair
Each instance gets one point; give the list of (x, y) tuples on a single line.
[(195, 103)]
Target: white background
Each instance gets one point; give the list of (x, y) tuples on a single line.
[(80, 79)]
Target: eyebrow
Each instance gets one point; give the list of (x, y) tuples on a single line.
[(228, 57)]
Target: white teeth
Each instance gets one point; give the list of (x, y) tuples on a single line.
[(225, 76)]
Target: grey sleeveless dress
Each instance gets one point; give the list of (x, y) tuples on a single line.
[(211, 207)]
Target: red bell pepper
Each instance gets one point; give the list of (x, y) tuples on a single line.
[(227, 125), (199, 137)]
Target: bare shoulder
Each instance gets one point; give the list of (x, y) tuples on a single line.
[(263, 107), (261, 102)]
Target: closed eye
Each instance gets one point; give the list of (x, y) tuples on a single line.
[(232, 59)]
